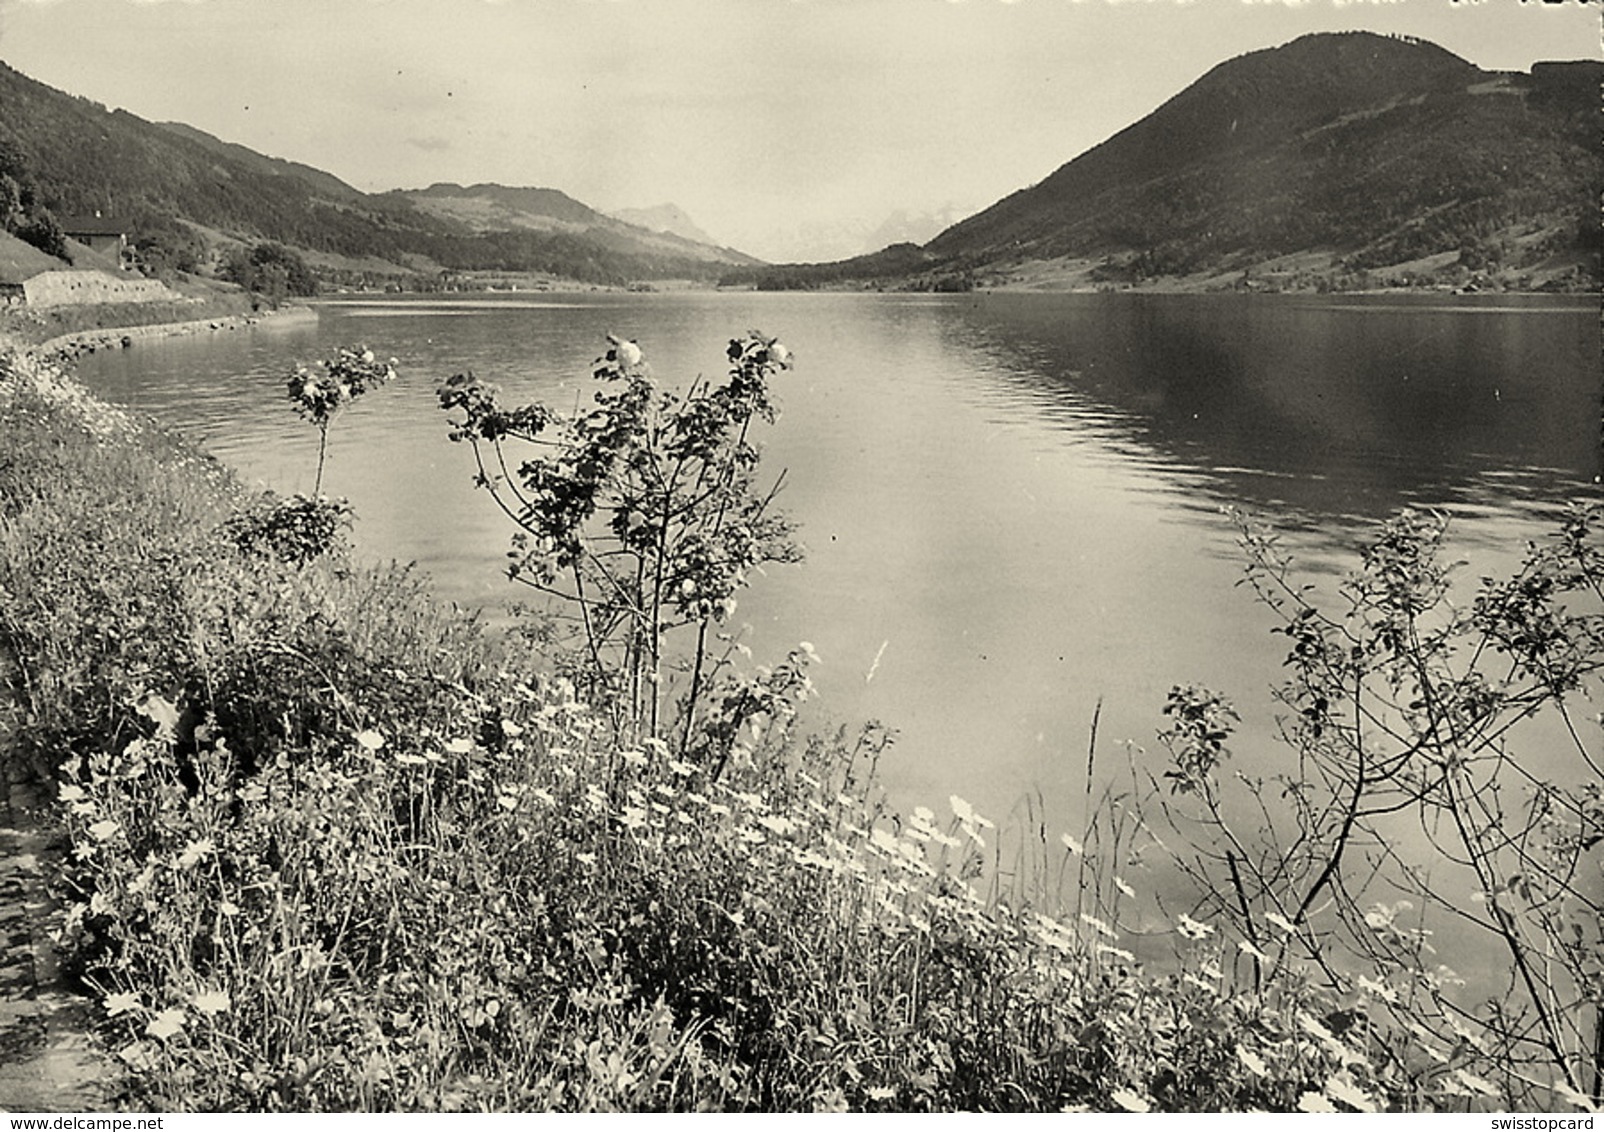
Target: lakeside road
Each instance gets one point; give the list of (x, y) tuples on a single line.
[(49, 1060)]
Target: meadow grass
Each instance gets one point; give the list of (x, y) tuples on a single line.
[(334, 847)]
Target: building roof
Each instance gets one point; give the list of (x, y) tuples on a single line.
[(92, 225)]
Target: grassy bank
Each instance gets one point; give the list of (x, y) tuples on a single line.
[(337, 848)]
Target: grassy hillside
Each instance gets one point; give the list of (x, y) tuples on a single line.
[(172, 182)]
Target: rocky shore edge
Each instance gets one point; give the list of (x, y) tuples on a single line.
[(66, 347)]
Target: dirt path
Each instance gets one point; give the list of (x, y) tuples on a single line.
[(48, 1062)]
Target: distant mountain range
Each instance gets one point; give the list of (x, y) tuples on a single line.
[(1334, 160), (188, 197), (670, 218), (1337, 157)]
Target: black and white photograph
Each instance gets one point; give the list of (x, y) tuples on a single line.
[(801, 556)]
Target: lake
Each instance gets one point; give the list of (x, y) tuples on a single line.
[(1012, 504)]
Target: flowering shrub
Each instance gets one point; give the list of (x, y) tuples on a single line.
[(1411, 703), (640, 516), (321, 394)]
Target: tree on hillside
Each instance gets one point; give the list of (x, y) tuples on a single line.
[(271, 270), (21, 214)]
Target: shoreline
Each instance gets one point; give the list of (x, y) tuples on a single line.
[(66, 347)]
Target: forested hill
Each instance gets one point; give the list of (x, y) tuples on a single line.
[(1359, 153), (190, 199)]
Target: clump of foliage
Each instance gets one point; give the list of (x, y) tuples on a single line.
[(270, 270), (641, 515), (22, 213), (296, 529), (321, 394), (1463, 720)]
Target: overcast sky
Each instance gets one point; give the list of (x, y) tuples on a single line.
[(767, 120)]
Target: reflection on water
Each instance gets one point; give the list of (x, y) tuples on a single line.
[(1013, 501), (1313, 408)]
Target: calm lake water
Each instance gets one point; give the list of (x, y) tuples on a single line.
[(1012, 504)]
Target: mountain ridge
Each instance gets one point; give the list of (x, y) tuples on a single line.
[(1355, 151), (193, 200)]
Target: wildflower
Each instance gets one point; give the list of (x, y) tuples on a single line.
[(1281, 922), (195, 852), (882, 1093), (633, 758), (1072, 845), (542, 796), (1343, 1089), (104, 830), (166, 1024), (1116, 952), (1129, 1101), (462, 746), (212, 1002), (585, 858), (1253, 1062), (121, 1003), (369, 740), (137, 1056), (683, 769), (411, 760), (962, 810), (1099, 925), (633, 817), (1315, 1102), (777, 824), (1125, 888), (71, 792), (1192, 929)]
